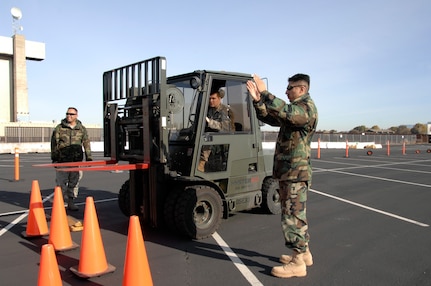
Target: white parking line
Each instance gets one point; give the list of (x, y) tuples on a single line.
[(371, 209), (12, 224), (24, 213), (380, 178), (236, 261), (383, 165)]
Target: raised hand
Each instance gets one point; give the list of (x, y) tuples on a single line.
[(252, 89), (260, 84)]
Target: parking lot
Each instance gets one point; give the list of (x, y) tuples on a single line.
[(369, 219)]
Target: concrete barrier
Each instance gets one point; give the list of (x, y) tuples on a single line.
[(333, 145), (45, 147)]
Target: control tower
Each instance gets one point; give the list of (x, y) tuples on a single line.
[(14, 52)]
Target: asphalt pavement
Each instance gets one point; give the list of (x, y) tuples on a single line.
[(369, 220)]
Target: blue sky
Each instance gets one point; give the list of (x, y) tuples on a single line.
[(369, 61)]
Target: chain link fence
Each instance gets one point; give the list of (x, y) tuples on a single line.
[(24, 134)]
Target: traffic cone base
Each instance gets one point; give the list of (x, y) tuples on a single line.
[(92, 261), (67, 248), (36, 222), (59, 235), (75, 270)]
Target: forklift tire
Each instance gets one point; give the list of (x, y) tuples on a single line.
[(169, 210), (124, 198), (271, 196), (198, 212)]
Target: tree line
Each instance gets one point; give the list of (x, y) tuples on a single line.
[(418, 128)]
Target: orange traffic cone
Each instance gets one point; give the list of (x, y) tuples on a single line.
[(36, 223), (136, 268), (49, 274), (59, 235), (92, 260)]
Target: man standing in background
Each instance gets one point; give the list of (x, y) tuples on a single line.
[(67, 141)]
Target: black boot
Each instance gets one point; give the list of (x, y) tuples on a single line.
[(71, 206)]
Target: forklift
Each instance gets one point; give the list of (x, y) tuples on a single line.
[(154, 126)]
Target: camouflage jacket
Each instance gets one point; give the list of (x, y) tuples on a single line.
[(220, 119), (67, 143), (297, 121)]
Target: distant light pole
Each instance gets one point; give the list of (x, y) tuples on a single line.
[(19, 131)]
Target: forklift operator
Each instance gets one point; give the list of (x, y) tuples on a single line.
[(219, 116), (219, 119)]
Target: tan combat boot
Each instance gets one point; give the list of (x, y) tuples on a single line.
[(308, 258), (295, 268), (71, 206)]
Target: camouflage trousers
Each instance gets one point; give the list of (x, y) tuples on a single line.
[(293, 199), (69, 183)]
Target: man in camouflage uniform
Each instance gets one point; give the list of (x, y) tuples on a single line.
[(292, 166), (219, 119), (67, 141), (219, 116)]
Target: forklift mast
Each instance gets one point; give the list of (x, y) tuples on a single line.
[(135, 112)]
